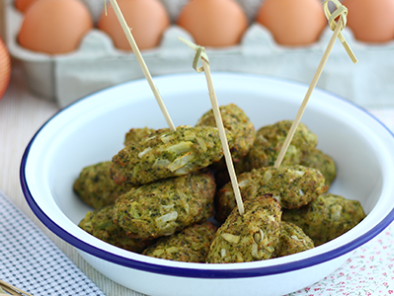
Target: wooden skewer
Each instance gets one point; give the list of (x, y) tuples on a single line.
[(4, 286), (301, 110), (218, 119), (337, 32), (141, 61), (223, 138)]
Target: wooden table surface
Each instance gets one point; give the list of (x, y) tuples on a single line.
[(21, 115)]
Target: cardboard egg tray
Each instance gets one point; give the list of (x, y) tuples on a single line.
[(97, 64)]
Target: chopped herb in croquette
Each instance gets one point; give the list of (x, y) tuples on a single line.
[(168, 155), (165, 207), (322, 162), (251, 237), (99, 224), (292, 240), (95, 186), (237, 122), (327, 217), (189, 245), (292, 187), (269, 141), (136, 135)]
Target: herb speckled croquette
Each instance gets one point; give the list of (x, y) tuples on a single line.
[(250, 237), (292, 187), (165, 207), (326, 218), (269, 141), (237, 122), (292, 240), (99, 224), (189, 245), (136, 135), (168, 155), (96, 187), (322, 162)]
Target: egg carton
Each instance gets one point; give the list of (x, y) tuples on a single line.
[(97, 64)]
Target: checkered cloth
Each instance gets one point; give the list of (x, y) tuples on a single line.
[(30, 261)]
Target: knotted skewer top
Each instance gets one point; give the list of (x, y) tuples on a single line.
[(339, 13)]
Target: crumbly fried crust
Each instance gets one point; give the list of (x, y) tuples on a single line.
[(189, 245), (95, 186), (292, 240), (168, 155), (269, 141), (99, 224), (292, 187), (250, 237), (327, 217), (237, 122), (165, 207), (322, 162)]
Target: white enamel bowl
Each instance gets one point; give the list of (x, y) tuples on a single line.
[(92, 130)]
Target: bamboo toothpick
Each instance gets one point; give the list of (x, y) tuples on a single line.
[(341, 11), (201, 54), (141, 61), (4, 286)]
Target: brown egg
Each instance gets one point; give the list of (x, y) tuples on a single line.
[(148, 19), (55, 26), (371, 20), (23, 5), (216, 23), (293, 22)]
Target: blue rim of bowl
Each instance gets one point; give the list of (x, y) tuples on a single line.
[(190, 272)]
